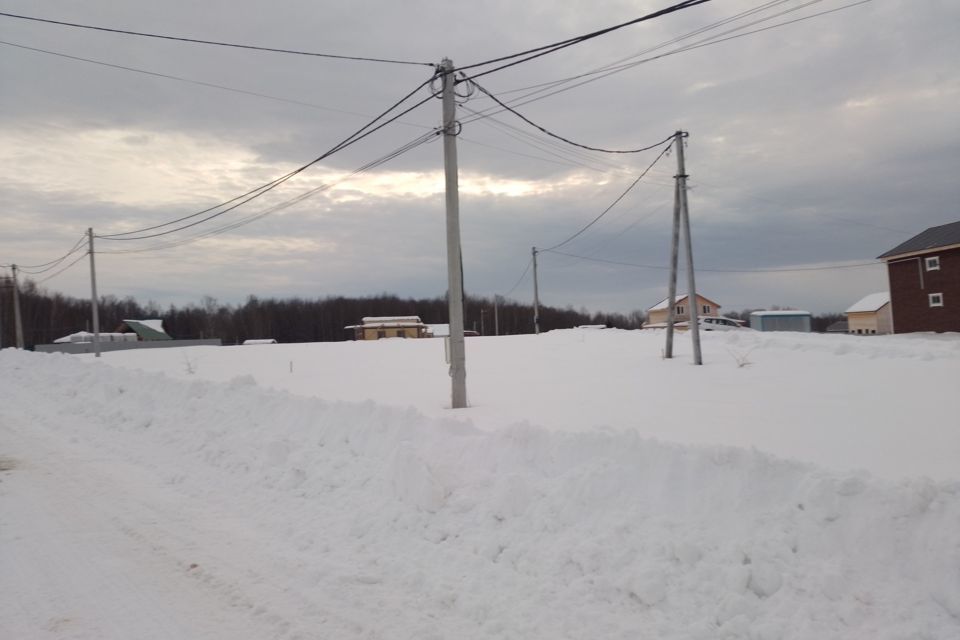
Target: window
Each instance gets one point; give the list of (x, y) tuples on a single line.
[(679, 310), (706, 308), (936, 299), (401, 333), (932, 263), (381, 334)]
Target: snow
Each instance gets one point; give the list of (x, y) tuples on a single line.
[(872, 302), (322, 490)]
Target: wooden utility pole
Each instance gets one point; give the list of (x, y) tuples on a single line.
[(536, 295), (458, 360), (17, 320), (94, 304)]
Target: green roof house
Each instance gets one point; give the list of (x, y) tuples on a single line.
[(145, 329)]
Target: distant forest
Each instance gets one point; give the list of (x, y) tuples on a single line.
[(48, 316)]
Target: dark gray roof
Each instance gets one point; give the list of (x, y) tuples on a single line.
[(932, 238)]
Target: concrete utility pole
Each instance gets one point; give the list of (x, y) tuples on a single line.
[(536, 295), (674, 258), (17, 320), (688, 245), (94, 305), (458, 359)]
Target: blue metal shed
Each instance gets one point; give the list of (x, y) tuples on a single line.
[(791, 320)]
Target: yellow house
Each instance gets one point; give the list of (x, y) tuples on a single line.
[(376, 327), (657, 314), (871, 315)]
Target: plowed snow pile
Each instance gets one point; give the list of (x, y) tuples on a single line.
[(305, 518)]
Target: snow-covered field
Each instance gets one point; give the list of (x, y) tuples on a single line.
[(592, 490)]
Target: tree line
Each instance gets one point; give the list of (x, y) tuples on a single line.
[(50, 315)]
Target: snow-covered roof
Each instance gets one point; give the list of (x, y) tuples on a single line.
[(394, 319), (86, 336), (782, 312), (79, 336), (872, 302), (663, 304), (260, 341)]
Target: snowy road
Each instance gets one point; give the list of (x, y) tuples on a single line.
[(98, 550)]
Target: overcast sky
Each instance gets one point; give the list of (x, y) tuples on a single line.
[(819, 143)]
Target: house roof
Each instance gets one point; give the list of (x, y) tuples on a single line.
[(148, 329), (663, 304), (933, 238), (394, 319), (872, 302)]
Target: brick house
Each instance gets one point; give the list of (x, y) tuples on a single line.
[(924, 274)]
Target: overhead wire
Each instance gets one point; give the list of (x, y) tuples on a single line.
[(257, 192), (557, 136), (712, 270), (661, 45), (423, 139), (58, 272), (614, 203), (210, 42), (520, 279), (201, 83), (37, 269), (538, 52), (605, 72)]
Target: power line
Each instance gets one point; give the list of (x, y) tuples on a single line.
[(520, 279), (201, 83), (425, 138), (666, 43), (37, 269), (559, 137), (56, 273), (564, 154), (608, 71), (663, 268), (614, 203), (211, 42), (262, 189), (563, 44)]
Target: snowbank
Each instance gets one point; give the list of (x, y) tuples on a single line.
[(886, 404), (418, 527)]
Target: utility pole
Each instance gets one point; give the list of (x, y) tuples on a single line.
[(496, 315), (17, 320), (674, 258), (688, 246), (536, 295), (482, 331), (93, 296), (458, 359)]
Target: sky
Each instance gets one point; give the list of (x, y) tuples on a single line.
[(813, 147)]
